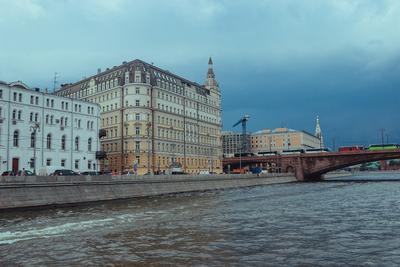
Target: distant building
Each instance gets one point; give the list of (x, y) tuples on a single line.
[(281, 139), (232, 143), (155, 119), (66, 130)]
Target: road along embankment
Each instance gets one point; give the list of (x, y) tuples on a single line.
[(36, 191)]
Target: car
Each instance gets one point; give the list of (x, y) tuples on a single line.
[(9, 173), (92, 173), (25, 173), (65, 172), (49, 170)]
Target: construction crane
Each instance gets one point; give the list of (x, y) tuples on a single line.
[(243, 121)]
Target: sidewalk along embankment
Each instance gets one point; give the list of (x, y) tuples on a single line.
[(37, 191)]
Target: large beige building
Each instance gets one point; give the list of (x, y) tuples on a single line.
[(154, 118), (281, 139)]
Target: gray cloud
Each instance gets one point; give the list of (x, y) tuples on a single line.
[(283, 62)]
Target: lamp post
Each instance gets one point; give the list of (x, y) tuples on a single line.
[(148, 147), (34, 128)]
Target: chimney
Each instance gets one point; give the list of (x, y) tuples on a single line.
[(98, 70)]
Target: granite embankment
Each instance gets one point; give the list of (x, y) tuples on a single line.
[(36, 191)]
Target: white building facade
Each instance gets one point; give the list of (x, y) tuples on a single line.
[(46, 129)]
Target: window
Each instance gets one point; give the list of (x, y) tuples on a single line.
[(63, 163), (20, 97), (66, 105), (32, 99), (37, 100), (137, 91), (1, 93), (48, 162), (48, 141), (51, 119), (47, 118), (63, 142), (137, 146), (90, 144), (89, 164), (137, 116), (36, 117), (47, 102), (137, 131), (14, 114), (52, 103), (77, 164), (137, 102), (76, 143), (32, 163), (16, 138), (33, 139), (19, 114), (15, 96)]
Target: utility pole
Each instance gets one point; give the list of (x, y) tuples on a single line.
[(387, 139), (382, 130), (34, 128)]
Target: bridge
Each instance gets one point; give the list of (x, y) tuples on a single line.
[(312, 166)]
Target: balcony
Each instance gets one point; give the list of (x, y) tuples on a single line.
[(101, 155)]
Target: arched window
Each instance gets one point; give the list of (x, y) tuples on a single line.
[(48, 141), (76, 143), (33, 139), (16, 138), (89, 144), (63, 142), (19, 114), (14, 114)]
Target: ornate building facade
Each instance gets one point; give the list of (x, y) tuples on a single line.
[(155, 119)]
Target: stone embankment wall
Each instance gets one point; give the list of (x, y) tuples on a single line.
[(34, 191)]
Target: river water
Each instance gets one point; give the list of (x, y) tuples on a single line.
[(352, 221)]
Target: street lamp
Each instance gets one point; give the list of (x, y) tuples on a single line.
[(148, 146), (34, 128)]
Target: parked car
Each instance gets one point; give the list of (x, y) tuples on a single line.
[(92, 173), (25, 173), (49, 170), (9, 173), (64, 172)]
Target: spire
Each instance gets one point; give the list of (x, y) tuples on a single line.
[(318, 133), (210, 75), (210, 72)]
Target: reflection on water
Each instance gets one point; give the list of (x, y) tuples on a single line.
[(328, 223)]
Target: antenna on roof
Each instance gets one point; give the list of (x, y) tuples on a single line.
[(55, 81)]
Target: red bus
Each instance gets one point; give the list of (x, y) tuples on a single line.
[(350, 148)]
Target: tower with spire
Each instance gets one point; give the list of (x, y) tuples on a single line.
[(211, 82), (318, 133)]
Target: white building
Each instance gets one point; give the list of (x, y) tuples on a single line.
[(66, 130)]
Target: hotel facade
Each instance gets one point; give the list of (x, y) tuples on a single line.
[(154, 119), (42, 129)]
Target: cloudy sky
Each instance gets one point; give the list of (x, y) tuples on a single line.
[(282, 62)]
